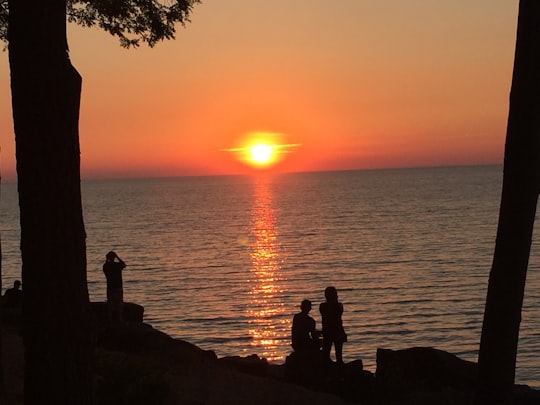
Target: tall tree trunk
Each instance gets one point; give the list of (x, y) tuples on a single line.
[(2, 386), (521, 184), (45, 96)]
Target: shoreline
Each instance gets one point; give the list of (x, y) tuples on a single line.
[(133, 360)]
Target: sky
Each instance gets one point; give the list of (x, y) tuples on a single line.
[(350, 84)]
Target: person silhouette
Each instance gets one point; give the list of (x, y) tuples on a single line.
[(115, 293), (332, 325), (304, 336), (13, 296)]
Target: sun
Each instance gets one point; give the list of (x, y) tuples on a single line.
[(262, 150), (261, 153)]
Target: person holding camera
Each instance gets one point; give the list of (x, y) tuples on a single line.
[(112, 268)]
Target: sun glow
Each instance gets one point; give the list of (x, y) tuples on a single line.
[(262, 150), (261, 153)]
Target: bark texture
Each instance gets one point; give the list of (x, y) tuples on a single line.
[(45, 97), (502, 317)]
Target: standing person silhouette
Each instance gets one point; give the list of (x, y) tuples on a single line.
[(13, 296), (115, 293), (332, 325)]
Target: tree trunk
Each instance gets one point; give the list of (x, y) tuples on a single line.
[(2, 386), (45, 97), (521, 184)]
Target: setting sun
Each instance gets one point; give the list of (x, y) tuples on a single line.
[(262, 150), (261, 153)]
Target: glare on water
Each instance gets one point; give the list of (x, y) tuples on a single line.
[(267, 283)]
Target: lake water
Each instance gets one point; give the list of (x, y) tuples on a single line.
[(224, 262)]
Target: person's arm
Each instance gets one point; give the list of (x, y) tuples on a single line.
[(312, 327), (120, 261)]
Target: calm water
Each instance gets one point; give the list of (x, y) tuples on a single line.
[(223, 262)]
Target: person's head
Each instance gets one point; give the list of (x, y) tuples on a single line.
[(17, 284), (110, 256), (330, 293), (305, 306)]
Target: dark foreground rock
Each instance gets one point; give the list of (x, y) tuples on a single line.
[(349, 381), (253, 364), (133, 313), (137, 364), (424, 375)]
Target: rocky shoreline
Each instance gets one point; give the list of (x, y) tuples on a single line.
[(138, 364)]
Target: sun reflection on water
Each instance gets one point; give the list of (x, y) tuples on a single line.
[(268, 327)]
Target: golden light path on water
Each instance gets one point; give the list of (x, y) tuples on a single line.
[(266, 330)]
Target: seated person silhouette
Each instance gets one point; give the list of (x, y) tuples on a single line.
[(13, 296), (304, 334)]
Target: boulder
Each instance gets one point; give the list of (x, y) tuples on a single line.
[(525, 395), (405, 373), (306, 367), (252, 364), (352, 383), (349, 381), (11, 316), (131, 312), (143, 340)]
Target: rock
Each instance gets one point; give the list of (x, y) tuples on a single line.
[(312, 370), (131, 312), (143, 340), (525, 395), (305, 368), (353, 383), (276, 371), (129, 379), (11, 316), (404, 373), (252, 364)]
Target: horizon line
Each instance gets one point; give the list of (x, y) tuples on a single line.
[(84, 178)]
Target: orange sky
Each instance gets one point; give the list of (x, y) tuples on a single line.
[(357, 83)]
